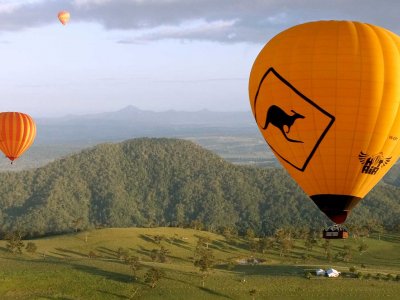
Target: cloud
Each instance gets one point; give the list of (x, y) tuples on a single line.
[(225, 21)]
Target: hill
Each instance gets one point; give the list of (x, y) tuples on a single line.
[(165, 182), (95, 265)]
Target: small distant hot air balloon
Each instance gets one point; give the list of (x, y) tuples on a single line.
[(17, 132), (64, 16), (325, 96)]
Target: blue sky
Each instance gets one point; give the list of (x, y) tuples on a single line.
[(153, 54)]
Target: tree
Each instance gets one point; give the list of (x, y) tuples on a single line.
[(283, 240), (31, 247), (134, 265), (250, 234), (362, 247), (14, 242), (253, 293), (197, 224), (266, 243), (326, 246), (158, 239), (77, 223), (162, 254), (310, 241), (153, 276), (122, 253), (203, 259), (203, 241), (345, 254)]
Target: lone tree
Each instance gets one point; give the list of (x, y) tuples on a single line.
[(14, 242), (362, 247), (153, 276), (203, 259)]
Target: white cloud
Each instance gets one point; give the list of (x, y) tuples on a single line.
[(186, 30), (255, 20)]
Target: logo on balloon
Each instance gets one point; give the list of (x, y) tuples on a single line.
[(372, 163), (277, 117), (292, 124)]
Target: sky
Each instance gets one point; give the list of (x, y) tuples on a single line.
[(158, 55)]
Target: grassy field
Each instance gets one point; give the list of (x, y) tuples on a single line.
[(61, 268)]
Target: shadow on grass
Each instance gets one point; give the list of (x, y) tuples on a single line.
[(110, 253), (109, 275), (65, 251), (392, 238), (55, 298), (103, 273), (3, 249), (147, 238), (113, 294), (272, 270), (214, 293), (180, 244)]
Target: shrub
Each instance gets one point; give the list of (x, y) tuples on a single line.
[(31, 247)]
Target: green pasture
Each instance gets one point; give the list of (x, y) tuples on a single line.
[(61, 268)]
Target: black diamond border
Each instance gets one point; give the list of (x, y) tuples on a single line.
[(287, 83)]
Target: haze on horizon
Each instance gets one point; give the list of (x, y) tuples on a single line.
[(158, 55)]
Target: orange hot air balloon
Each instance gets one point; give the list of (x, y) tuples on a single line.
[(17, 132), (64, 17), (326, 98)]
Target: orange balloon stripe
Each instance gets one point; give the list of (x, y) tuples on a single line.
[(5, 137), (28, 136)]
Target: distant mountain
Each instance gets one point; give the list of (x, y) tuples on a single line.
[(133, 122), (166, 182)]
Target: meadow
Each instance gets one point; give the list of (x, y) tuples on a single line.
[(93, 265)]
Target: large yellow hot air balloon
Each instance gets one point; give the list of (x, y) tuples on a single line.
[(64, 17), (326, 98), (17, 132)]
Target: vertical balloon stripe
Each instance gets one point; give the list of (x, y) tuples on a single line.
[(25, 138), (30, 135)]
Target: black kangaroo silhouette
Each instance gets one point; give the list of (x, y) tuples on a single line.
[(277, 117)]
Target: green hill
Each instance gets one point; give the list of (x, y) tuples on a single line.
[(165, 182)]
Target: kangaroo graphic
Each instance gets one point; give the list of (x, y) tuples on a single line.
[(279, 118)]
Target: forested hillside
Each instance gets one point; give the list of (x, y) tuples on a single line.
[(165, 182)]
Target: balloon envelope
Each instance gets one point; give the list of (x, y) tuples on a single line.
[(326, 96), (17, 133), (64, 17)]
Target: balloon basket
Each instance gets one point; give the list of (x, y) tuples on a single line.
[(335, 232)]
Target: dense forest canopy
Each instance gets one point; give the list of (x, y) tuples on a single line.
[(167, 182)]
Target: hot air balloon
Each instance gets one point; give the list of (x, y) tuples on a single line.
[(326, 98), (63, 16), (17, 132)]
